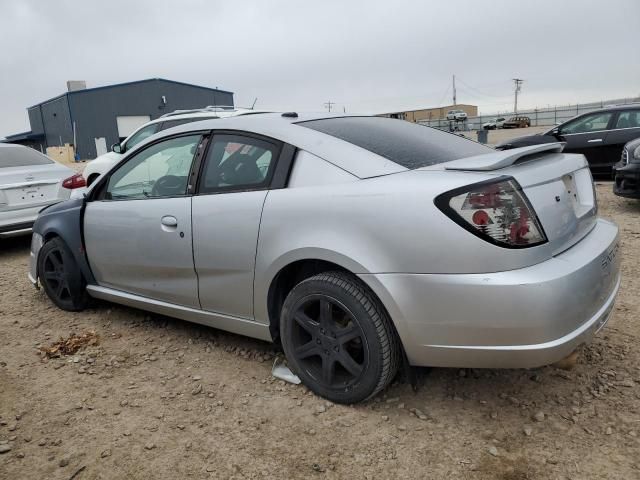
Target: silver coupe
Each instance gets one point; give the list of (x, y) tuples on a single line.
[(362, 244)]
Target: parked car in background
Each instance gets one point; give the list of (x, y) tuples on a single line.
[(517, 122), (599, 135), (300, 229), (457, 115), (626, 172), (494, 124), (30, 181), (101, 164)]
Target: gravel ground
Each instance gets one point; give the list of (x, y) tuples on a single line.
[(161, 398)]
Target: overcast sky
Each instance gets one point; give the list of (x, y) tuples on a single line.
[(366, 56)]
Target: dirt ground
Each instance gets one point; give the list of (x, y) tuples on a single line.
[(161, 398)]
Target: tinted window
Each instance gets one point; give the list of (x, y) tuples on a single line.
[(162, 170), (628, 119), (589, 123), (405, 143), (21, 157), (237, 162)]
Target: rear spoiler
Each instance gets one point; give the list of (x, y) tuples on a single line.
[(502, 158)]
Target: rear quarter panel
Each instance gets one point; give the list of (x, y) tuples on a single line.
[(382, 225)]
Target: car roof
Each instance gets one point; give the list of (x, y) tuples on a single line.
[(207, 112), (347, 156)]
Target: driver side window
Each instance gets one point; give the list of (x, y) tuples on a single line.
[(588, 123), (161, 170)]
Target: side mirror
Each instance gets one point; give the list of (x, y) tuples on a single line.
[(117, 148), (555, 132)]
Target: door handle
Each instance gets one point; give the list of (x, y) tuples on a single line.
[(595, 140), (169, 221)]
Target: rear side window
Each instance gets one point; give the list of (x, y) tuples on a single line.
[(407, 144), (21, 157)]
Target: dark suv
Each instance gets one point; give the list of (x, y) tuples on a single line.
[(517, 122), (598, 135), (627, 171)]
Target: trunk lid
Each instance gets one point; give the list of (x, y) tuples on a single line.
[(29, 186), (559, 187)]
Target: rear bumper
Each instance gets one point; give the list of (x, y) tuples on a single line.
[(521, 318), (15, 229)]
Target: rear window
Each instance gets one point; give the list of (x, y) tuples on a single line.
[(405, 143), (21, 157)]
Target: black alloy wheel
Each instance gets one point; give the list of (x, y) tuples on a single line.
[(60, 276), (328, 342), (338, 338)]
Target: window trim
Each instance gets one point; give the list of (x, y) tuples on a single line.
[(98, 193), (278, 174)]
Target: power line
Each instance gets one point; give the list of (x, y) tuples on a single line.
[(328, 105)]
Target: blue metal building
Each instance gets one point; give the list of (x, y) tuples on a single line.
[(102, 116)]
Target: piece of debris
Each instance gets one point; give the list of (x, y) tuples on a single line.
[(5, 447), (538, 416), (281, 371), (493, 451), (568, 362), (71, 345), (527, 430)]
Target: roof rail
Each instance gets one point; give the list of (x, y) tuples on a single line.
[(208, 108)]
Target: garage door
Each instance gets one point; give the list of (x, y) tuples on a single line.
[(129, 124)]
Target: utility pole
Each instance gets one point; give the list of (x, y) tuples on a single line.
[(518, 85), (454, 90), (328, 105)]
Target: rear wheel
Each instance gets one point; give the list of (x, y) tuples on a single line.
[(60, 276), (338, 338)]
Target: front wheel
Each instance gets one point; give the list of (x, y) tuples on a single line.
[(60, 276), (338, 338)]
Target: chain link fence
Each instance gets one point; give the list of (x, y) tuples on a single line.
[(539, 117)]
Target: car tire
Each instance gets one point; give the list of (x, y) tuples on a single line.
[(60, 276), (338, 338)]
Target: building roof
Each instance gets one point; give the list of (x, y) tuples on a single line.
[(115, 85), (21, 137)]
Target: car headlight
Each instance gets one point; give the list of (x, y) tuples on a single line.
[(636, 155)]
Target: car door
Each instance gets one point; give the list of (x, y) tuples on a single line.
[(587, 135), (138, 229), (625, 129), (226, 213)]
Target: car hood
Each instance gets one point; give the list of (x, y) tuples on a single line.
[(526, 141)]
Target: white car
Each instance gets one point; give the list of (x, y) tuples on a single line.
[(30, 181), (103, 163), (494, 124), (457, 115)]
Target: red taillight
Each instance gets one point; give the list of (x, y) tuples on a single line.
[(498, 212), (74, 181)]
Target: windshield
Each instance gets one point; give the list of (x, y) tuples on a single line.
[(16, 156), (407, 144)]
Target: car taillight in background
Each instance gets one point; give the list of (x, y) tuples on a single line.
[(496, 211), (74, 181)]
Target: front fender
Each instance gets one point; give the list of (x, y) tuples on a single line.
[(64, 220)]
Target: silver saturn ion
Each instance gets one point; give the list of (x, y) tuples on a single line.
[(359, 243)]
